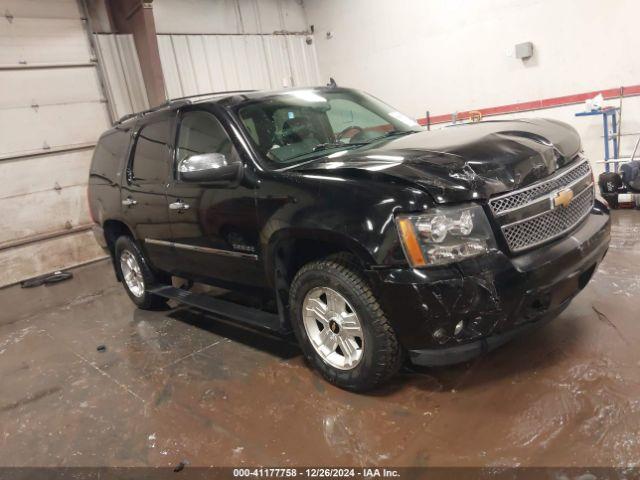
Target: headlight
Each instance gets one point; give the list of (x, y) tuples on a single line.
[(444, 235)]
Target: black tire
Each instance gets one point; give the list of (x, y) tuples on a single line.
[(611, 199), (146, 300), (382, 354), (610, 183)]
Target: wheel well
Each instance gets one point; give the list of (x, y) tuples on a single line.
[(112, 230), (291, 255), (305, 251)]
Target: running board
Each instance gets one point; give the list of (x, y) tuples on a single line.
[(233, 311)]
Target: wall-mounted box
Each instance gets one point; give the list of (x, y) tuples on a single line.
[(524, 50)]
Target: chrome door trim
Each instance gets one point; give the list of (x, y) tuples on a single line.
[(180, 206), (194, 248)]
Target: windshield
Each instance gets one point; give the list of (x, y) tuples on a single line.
[(302, 124)]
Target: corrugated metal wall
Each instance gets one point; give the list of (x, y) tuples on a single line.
[(123, 77), (216, 17), (207, 63), (52, 110)]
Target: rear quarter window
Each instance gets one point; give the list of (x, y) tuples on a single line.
[(109, 155)]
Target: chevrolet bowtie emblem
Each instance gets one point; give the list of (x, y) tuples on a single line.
[(562, 198)]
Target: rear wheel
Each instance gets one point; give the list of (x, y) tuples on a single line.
[(136, 276), (340, 326)]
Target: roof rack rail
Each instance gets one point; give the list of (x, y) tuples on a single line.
[(173, 101), (129, 116), (222, 92)]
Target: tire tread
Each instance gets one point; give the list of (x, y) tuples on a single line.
[(389, 356)]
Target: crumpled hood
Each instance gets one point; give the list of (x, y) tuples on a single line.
[(464, 162)]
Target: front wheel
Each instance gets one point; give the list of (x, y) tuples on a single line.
[(340, 326)]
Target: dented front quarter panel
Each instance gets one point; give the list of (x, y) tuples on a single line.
[(492, 293), (421, 302)]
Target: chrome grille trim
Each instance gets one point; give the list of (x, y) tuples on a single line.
[(526, 221), (517, 199), (549, 225)]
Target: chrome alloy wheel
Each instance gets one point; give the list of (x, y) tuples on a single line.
[(333, 327), (131, 273)]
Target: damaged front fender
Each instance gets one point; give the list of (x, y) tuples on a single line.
[(491, 295), (428, 304)]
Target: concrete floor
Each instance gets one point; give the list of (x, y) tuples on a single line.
[(180, 385)]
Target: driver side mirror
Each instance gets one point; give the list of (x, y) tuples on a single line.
[(209, 167)]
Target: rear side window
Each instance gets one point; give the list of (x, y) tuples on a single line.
[(109, 154), (151, 154)]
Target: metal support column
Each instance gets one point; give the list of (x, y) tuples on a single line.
[(609, 117)]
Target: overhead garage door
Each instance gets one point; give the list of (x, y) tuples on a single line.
[(52, 110)]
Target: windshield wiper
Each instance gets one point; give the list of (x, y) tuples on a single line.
[(328, 145), (393, 133)]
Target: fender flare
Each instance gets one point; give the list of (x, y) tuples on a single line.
[(286, 235)]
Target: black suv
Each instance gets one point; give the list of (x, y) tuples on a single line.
[(342, 219)]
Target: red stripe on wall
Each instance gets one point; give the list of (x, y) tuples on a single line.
[(610, 93)]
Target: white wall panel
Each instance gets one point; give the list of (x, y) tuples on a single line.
[(199, 64), (218, 45), (228, 16), (285, 15), (169, 65), (38, 9), (44, 212), (184, 64), (203, 63), (43, 41), (28, 129), (304, 63), (277, 58), (50, 86), (235, 65), (123, 77), (41, 173)]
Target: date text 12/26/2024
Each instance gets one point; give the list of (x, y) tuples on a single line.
[(315, 472)]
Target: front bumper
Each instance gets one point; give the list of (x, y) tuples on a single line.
[(496, 296)]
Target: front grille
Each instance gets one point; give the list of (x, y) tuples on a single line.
[(526, 195), (528, 218), (551, 224)]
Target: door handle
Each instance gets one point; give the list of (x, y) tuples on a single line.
[(129, 202), (179, 206)]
